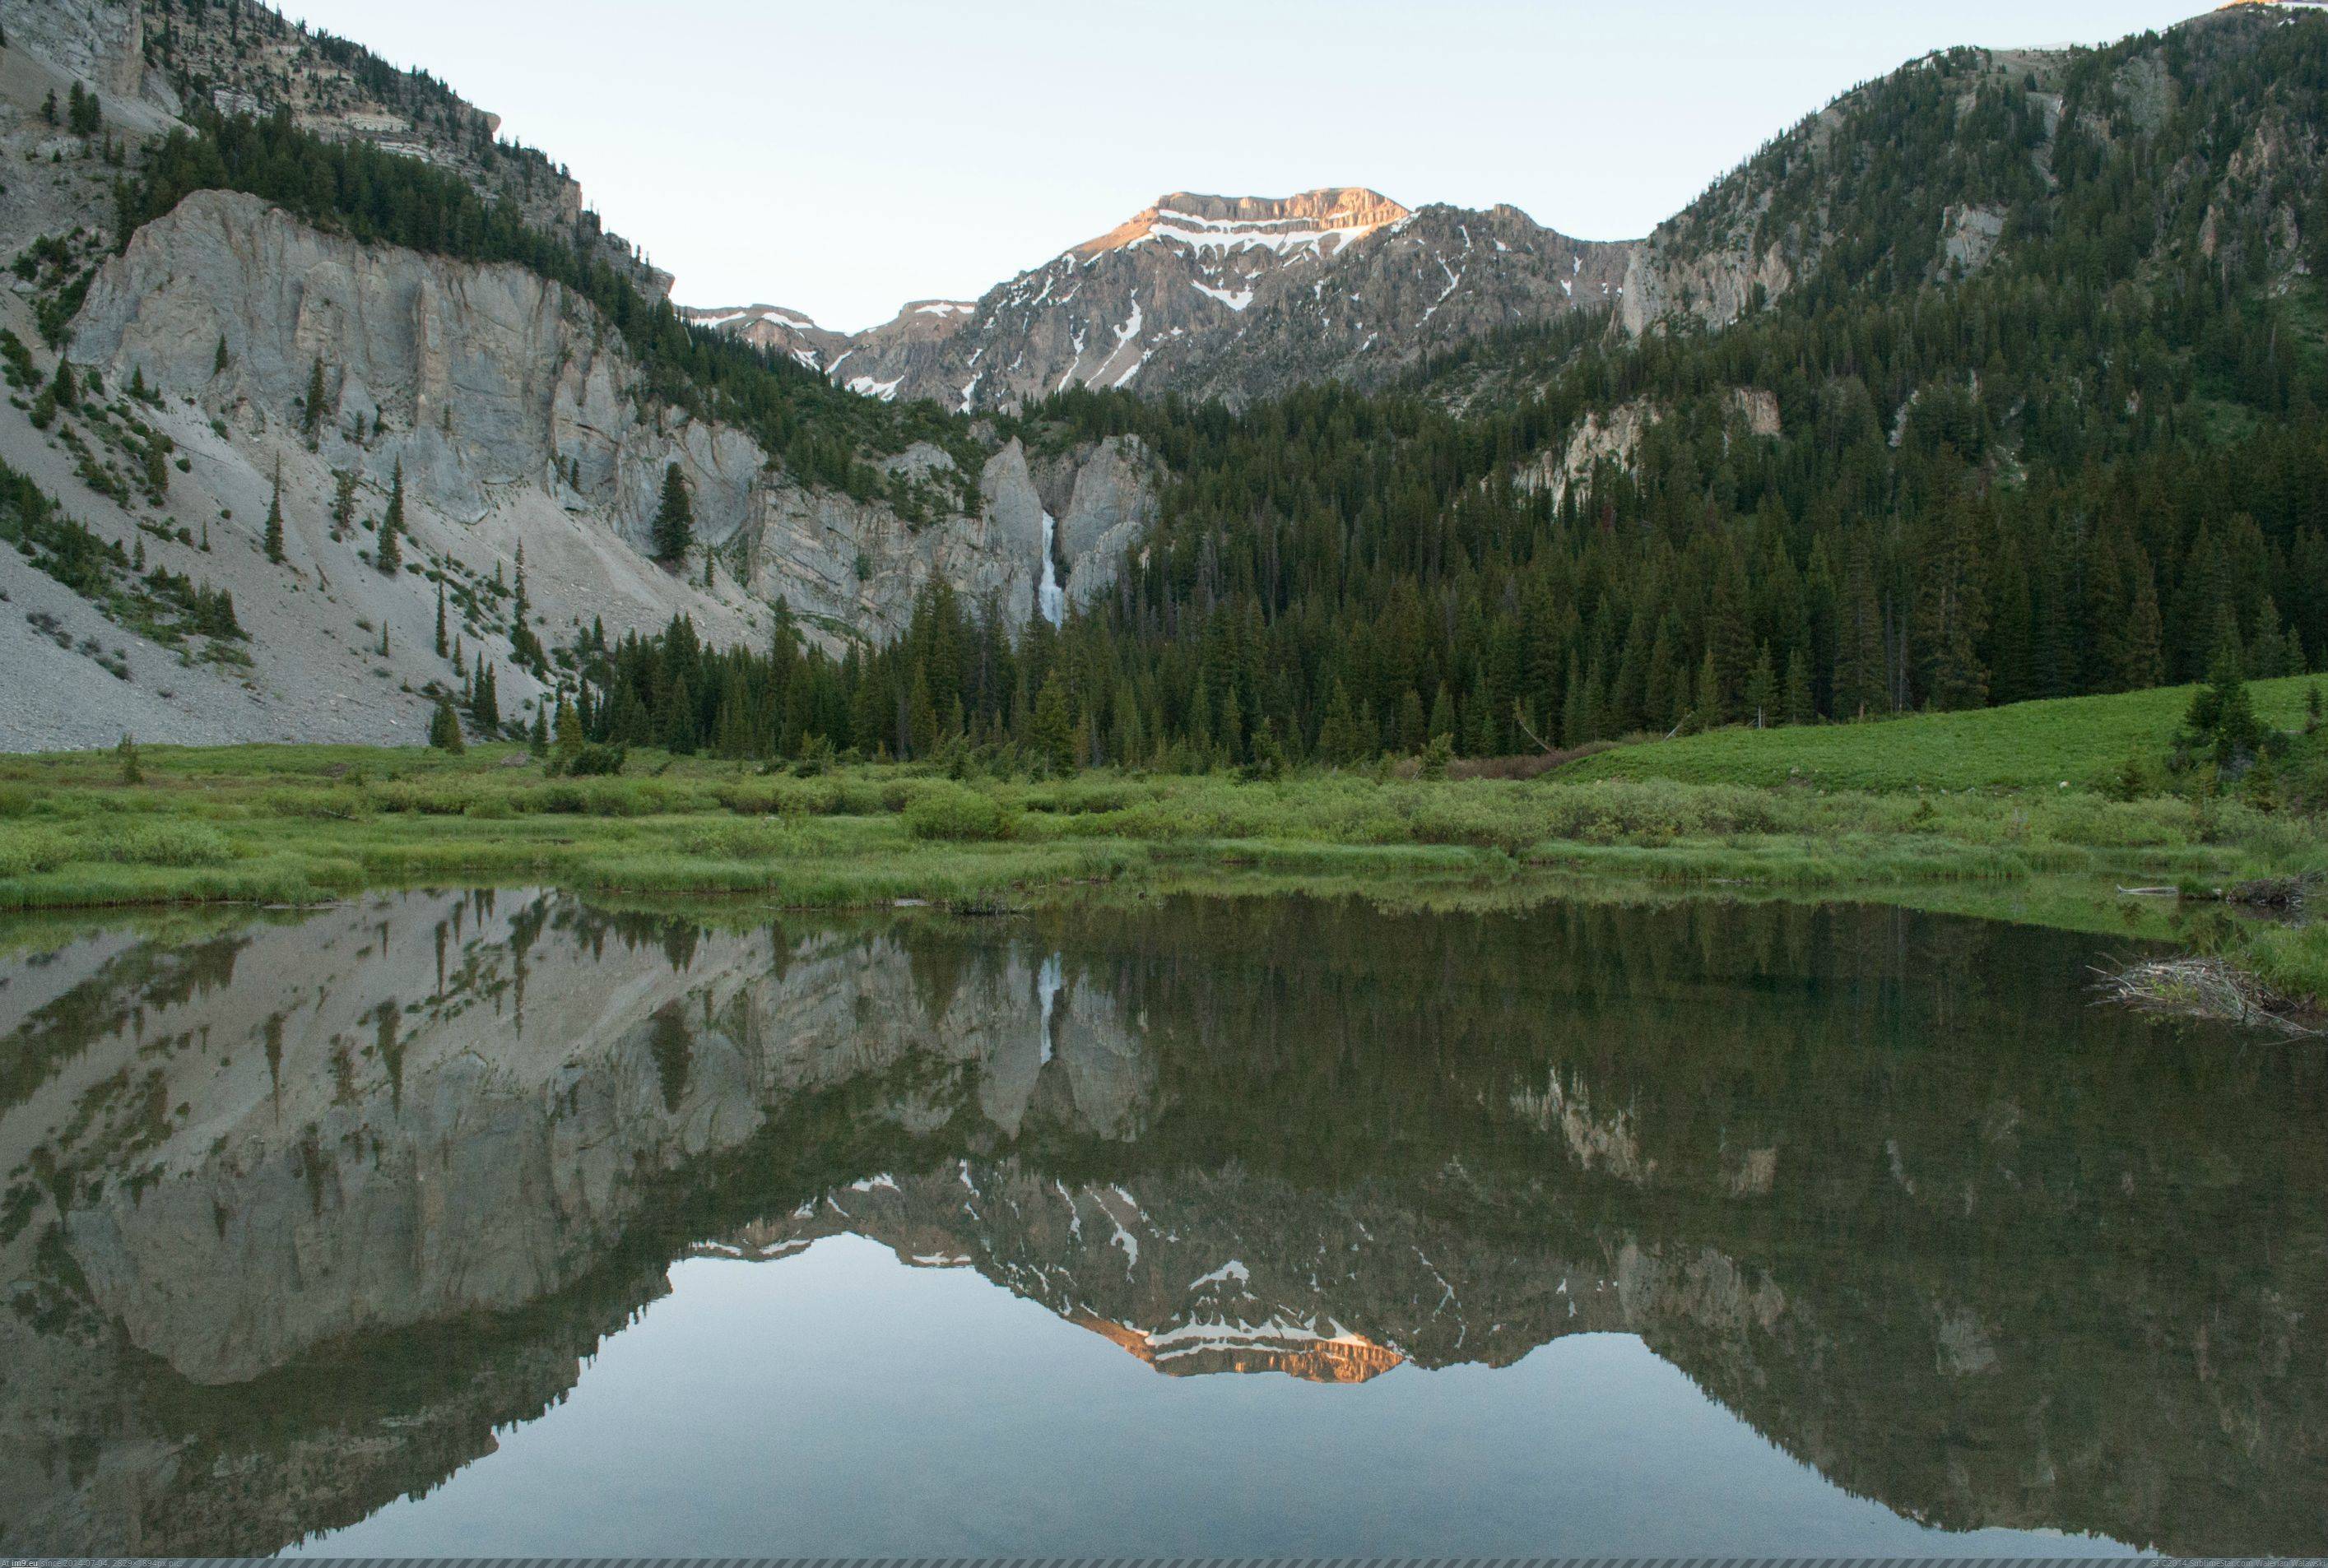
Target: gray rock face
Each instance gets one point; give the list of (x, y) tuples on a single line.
[(1105, 502), (486, 385), (99, 43), (1233, 297)]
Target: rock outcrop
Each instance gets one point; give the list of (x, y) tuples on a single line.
[(485, 385), (517, 423), (1233, 297)]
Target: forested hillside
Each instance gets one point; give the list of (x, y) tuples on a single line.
[(2040, 416)]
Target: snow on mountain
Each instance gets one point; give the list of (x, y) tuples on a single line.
[(1235, 297)]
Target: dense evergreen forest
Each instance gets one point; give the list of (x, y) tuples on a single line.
[(2087, 466), (1923, 477)]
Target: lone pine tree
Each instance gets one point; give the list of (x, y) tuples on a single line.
[(389, 554), (311, 408), (674, 519), (274, 519)]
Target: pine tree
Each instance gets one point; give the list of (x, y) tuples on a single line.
[(674, 519), (538, 742), (344, 502), (1761, 704), (677, 733), (83, 116), (388, 554), (445, 726), (921, 715), (1052, 734), (2138, 650), (311, 411), (218, 360), (125, 755), (1443, 714), (1487, 737), (1859, 687), (274, 519), (1708, 712), (2220, 725), (1801, 707), (1338, 740), (570, 732), (1410, 721), (484, 700), (443, 645)]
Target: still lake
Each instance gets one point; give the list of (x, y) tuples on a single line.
[(508, 1223)]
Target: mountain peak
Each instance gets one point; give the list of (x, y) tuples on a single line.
[(1326, 220)]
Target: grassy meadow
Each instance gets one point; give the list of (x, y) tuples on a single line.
[(2021, 811)]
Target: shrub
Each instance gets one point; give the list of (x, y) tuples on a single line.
[(26, 850), (346, 804), (596, 761), (164, 844), (737, 841), (1652, 811), (952, 812)]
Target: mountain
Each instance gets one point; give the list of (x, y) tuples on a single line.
[(1998, 377), (1968, 1281), (482, 349), (1238, 298), (2002, 378)]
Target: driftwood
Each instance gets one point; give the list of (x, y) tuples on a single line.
[(2204, 988)]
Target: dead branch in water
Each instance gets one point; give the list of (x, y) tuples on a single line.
[(2202, 988)]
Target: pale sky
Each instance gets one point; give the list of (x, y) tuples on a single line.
[(844, 156)]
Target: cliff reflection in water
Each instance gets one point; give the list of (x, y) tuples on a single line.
[(298, 1212)]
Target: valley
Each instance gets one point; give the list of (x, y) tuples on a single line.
[(1319, 877)]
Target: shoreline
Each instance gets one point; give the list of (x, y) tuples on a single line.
[(256, 827)]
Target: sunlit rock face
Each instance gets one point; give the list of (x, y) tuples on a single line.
[(300, 1210), (1233, 297)]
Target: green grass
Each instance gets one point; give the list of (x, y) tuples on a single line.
[(2080, 740), (1956, 811)]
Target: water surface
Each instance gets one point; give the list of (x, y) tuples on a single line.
[(501, 1224)]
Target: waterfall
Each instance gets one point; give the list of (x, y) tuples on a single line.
[(1047, 994), (1050, 598)]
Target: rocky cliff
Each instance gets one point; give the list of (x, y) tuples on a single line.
[(153, 61), (519, 425), (495, 392), (1233, 297), (323, 1203)]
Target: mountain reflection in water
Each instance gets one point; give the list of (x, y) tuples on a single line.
[(303, 1216)]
